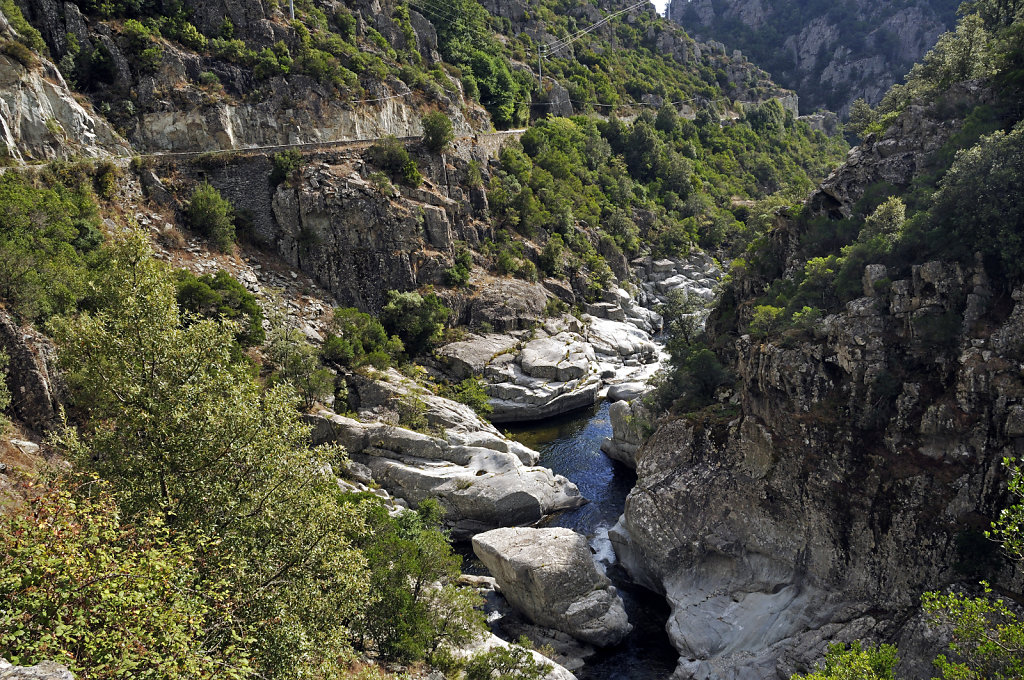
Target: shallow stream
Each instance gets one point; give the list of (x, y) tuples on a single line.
[(571, 446)]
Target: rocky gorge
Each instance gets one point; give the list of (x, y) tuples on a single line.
[(830, 56)]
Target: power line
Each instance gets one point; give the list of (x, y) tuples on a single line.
[(568, 40)]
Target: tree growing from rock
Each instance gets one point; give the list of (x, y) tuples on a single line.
[(417, 319), (437, 131)]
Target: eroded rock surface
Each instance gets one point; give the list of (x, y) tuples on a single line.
[(822, 504), (550, 576), (630, 424), (36, 385), (566, 364), (40, 118), (44, 670), (482, 479)]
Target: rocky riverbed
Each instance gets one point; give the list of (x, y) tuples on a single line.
[(567, 363)]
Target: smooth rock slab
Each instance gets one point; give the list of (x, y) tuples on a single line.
[(480, 485), (549, 575)]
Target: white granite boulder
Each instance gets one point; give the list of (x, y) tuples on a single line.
[(550, 576)]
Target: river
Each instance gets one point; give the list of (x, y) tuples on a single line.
[(571, 446)]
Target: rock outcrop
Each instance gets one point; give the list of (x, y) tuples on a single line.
[(565, 364), (482, 479), (842, 485), (36, 385), (550, 576), (40, 118), (44, 670), (897, 155), (630, 424), (174, 107), (557, 368)]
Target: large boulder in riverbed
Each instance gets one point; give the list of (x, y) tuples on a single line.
[(550, 576), (631, 422)]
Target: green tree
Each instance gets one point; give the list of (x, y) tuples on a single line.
[(212, 215), (766, 320), (417, 319), (110, 599), (286, 163), (46, 244), (297, 362), (856, 662), (221, 296), (391, 156), (437, 131), (966, 220), (415, 606), (355, 339), (506, 663), (182, 428), (862, 118)]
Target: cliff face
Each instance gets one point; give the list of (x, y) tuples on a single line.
[(830, 54), (40, 118), (854, 466), (840, 484)]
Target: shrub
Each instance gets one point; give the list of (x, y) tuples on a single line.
[(506, 663), (415, 605), (857, 661), (27, 33), (212, 215), (458, 274), (21, 53), (208, 78), (286, 163), (391, 156), (355, 338), (82, 587), (105, 180), (417, 319), (766, 320), (221, 296), (437, 131), (46, 239), (472, 392), (297, 363)]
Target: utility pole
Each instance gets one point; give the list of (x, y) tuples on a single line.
[(540, 69)]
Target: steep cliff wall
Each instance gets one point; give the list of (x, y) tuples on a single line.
[(830, 54), (843, 478), (857, 460), (202, 101), (40, 118)]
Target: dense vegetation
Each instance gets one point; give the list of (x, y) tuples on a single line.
[(959, 206), (660, 185), (962, 202), (211, 504), (621, 64)]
